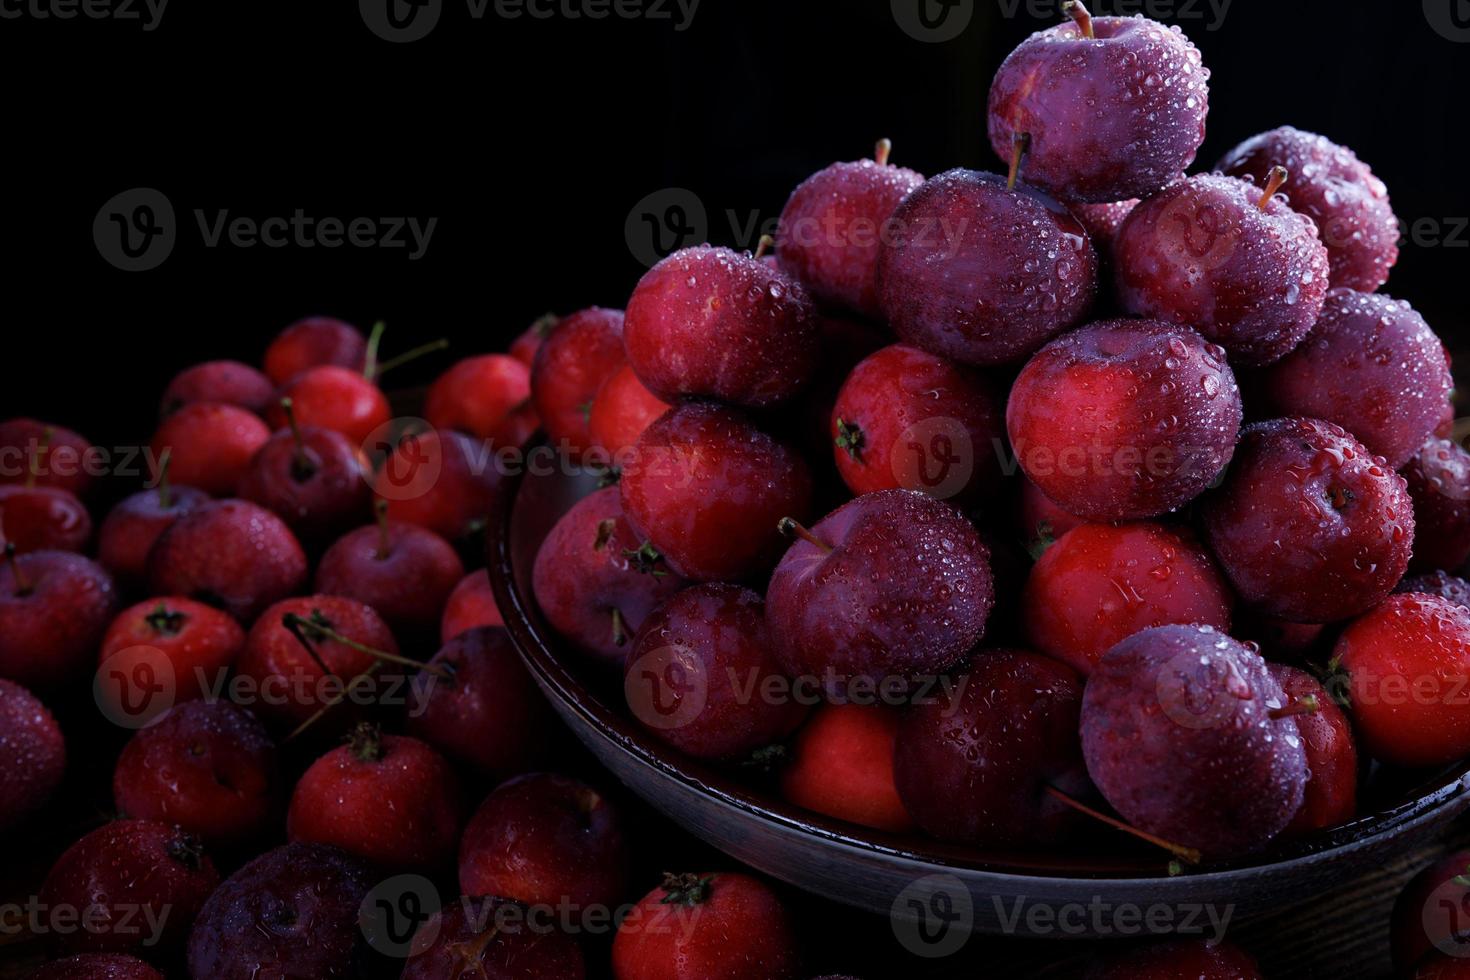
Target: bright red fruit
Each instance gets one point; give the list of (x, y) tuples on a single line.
[(404, 571), (907, 419), (974, 762), (311, 343), (457, 501), (132, 528), (206, 766), (138, 882), (1309, 526), (54, 608), (1428, 916), (1125, 419), (703, 676), (314, 479), (1337, 191), (37, 518), (621, 411), (388, 799), (711, 323), (1112, 107), (708, 488), (545, 840), (1373, 366), (490, 939), (336, 398), (1101, 583), (596, 581), (487, 397), (831, 227), (46, 455), (229, 553), (35, 753), (1439, 484), (1331, 796), (489, 715), (210, 445), (1408, 667), (198, 642), (227, 382), (581, 352), (984, 274), (1183, 733), (1228, 258), (1176, 960), (471, 604), (716, 926), (842, 765)]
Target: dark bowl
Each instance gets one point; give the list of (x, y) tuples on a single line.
[(911, 878)]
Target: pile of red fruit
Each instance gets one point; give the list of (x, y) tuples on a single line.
[(1214, 636)]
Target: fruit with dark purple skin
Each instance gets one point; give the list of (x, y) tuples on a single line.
[(487, 397), (581, 352), (982, 273), (490, 939), (97, 966), (334, 398), (1335, 189), (389, 799), (1100, 584), (230, 553), (1407, 663), (976, 763), (704, 678), (37, 518), (314, 479), (1280, 639), (489, 714), (1428, 916), (713, 926), (1125, 419), (1113, 107), (46, 455), (292, 912), (1439, 484), (313, 342), (1184, 733), (133, 526), (197, 642), (1228, 258), (1331, 796), (207, 766), (458, 500), (621, 411), (35, 754), (912, 420), (596, 581), (893, 584), (707, 322), (1176, 959), (544, 839), (841, 765), (227, 382), (141, 883), (1308, 526), (54, 608), (830, 229), (1373, 366), (1442, 584), (707, 488), (274, 659), (404, 571), (210, 445), (471, 604)]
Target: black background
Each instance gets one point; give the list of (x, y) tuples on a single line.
[(530, 140)]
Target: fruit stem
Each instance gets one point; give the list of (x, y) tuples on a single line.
[(851, 438), (33, 471), (1306, 706), (880, 155), (301, 465), (293, 623), (23, 586), (1077, 10), (380, 514), (688, 890), (1020, 143), (1279, 176), (766, 243), (370, 360), (165, 489), (366, 743), (1187, 854), (790, 528), (319, 628), (413, 355), (545, 325), (164, 620), (347, 689), (620, 633)]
